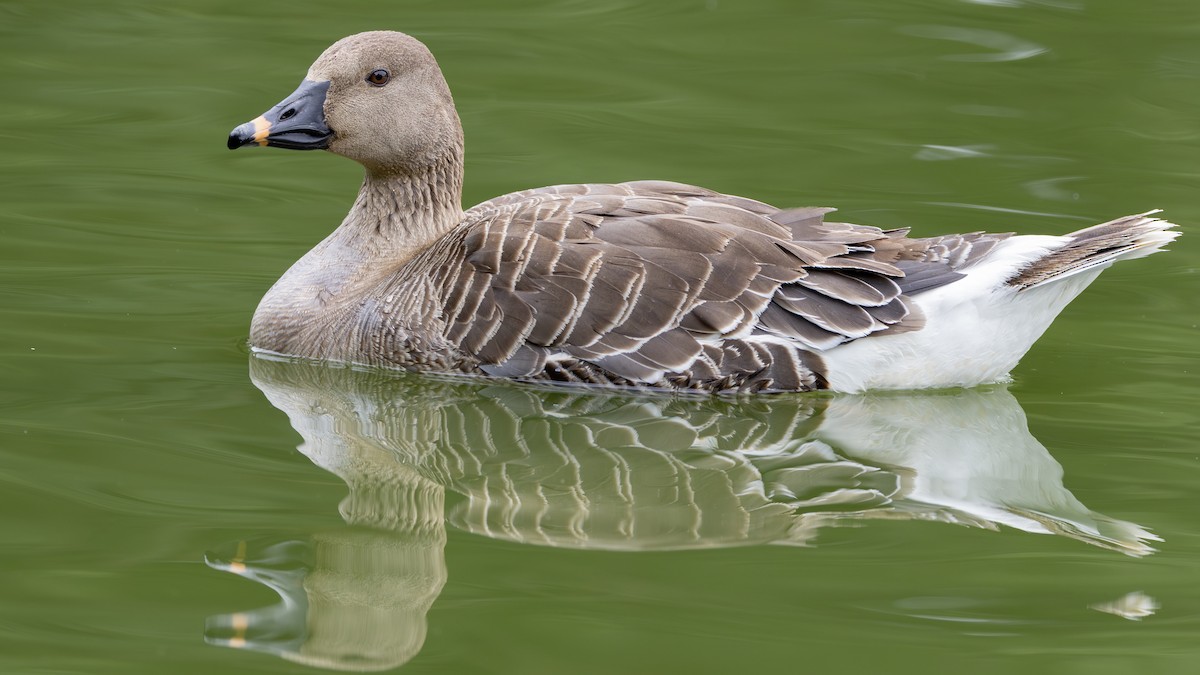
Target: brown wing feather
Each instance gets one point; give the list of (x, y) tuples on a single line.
[(668, 284)]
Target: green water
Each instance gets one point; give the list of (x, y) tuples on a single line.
[(152, 494)]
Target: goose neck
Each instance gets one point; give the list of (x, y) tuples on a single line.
[(402, 212)]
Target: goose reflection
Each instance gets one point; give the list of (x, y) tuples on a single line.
[(611, 471)]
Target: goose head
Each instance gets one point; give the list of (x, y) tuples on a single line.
[(378, 98)]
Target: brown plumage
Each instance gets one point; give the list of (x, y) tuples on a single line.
[(646, 283), (637, 278)]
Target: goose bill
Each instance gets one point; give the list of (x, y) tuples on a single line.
[(297, 123)]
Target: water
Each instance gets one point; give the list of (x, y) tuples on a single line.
[(141, 462)]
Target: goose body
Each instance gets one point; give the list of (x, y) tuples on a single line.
[(647, 283)]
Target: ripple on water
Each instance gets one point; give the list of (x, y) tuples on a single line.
[(1074, 5), (1001, 209), (940, 153), (1004, 47), (1050, 188)]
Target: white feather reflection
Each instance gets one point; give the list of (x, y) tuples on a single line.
[(1134, 606)]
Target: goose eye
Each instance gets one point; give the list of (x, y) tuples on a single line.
[(378, 77)]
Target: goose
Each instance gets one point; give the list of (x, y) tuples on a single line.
[(648, 284)]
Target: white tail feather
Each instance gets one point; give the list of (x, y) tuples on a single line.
[(1125, 238), (980, 326)]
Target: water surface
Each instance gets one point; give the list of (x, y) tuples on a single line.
[(145, 456)]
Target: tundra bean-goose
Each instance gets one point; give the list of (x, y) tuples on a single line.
[(643, 284)]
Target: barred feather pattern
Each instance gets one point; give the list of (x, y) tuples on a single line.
[(668, 285)]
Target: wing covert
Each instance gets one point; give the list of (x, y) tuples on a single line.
[(655, 282)]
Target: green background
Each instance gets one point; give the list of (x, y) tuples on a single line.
[(134, 247)]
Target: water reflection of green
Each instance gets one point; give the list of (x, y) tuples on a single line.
[(610, 471)]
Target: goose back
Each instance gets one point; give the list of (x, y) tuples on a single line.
[(655, 284)]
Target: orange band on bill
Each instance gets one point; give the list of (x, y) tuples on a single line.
[(261, 128)]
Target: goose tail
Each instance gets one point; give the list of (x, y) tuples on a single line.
[(978, 327), (1125, 238)]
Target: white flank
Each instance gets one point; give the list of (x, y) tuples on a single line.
[(976, 329)]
